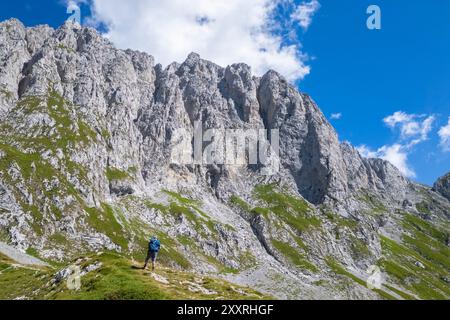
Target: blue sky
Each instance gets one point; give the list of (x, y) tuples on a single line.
[(364, 75), (369, 74)]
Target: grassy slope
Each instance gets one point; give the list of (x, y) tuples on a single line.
[(421, 263), (418, 267), (286, 213), (116, 279)]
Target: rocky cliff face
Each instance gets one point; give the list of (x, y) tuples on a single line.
[(442, 186), (86, 139)]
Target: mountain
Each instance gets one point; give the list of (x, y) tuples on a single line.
[(442, 186), (87, 138)]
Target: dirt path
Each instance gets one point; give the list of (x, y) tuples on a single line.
[(19, 256)]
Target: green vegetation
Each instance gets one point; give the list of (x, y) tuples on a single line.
[(18, 281), (376, 206), (427, 240), (186, 241), (241, 204), (420, 274), (290, 209), (430, 249), (359, 248), (105, 134), (36, 172), (423, 208), (132, 170), (338, 269), (116, 278), (67, 135), (402, 294), (340, 221), (168, 250), (294, 211), (269, 194), (416, 224), (61, 239), (29, 164), (294, 256), (169, 254), (198, 220), (183, 200), (4, 234), (6, 93), (30, 104), (23, 149), (247, 260), (132, 236), (191, 244), (84, 129), (116, 174), (68, 129), (63, 47), (278, 206), (181, 206), (104, 220), (32, 252)]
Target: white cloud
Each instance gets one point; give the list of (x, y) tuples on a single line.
[(366, 152), (336, 116), (396, 118), (73, 8), (412, 130), (224, 32), (419, 130), (396, 154), (73, 4), (305, 12), (444, 135)]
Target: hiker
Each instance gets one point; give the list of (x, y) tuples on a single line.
[(153, 248)]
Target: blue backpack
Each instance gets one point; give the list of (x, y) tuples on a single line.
[(154, 245)]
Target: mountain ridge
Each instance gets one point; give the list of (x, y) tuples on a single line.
[(86, 139)]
